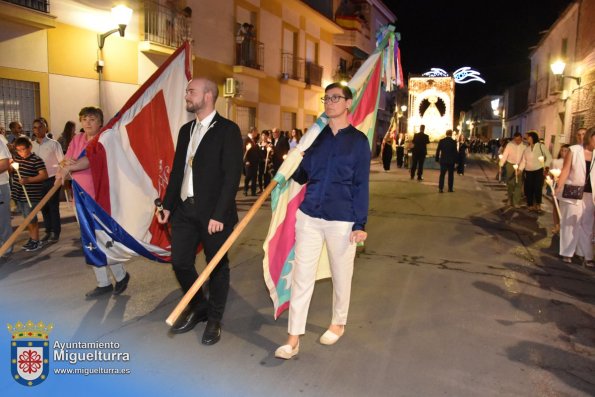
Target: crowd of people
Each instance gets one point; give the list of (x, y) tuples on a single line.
[(264, 153)]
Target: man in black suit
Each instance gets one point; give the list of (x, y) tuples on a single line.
[(446, 154), (200, 198), (251, 160), (419, 150), (280, 149)]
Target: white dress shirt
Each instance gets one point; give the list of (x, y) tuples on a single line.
[(513, 154), (531, 157), (199, 129), (50, 152)]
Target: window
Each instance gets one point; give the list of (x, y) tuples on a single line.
[(19, 101), (245, 118), (288, 121), (309, 119), (564, 49)]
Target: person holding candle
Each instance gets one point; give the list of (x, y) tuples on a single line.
[(511, 160), (251, 161), (536, 160), (27, 187), (555, 171)]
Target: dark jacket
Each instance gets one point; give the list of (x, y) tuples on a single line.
[(446, 152), (280, 149), (216, 171), (420, 142), (252, 155)]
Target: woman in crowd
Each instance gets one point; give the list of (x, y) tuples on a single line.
[(266, 160), (537, 159), (296, 135), (557, 165), (576, 221), (463, 150), (67, 135), (387, 151)]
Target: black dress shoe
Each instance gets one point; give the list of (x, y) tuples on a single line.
[(440, 191), (212, 333), (450, 190), (122, 284), (188, 322), (98, 291)]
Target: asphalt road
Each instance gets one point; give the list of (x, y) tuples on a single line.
[(451, 297)]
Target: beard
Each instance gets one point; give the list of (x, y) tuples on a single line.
[(194, 107)]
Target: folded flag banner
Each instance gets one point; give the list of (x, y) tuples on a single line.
[(382, 67), (131, 159)]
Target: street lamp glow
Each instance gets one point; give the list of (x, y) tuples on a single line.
[(344, 83), (558, 67), (122, 14), (495, 104), (403, 108)]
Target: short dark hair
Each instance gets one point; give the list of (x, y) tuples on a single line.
[(534, 136), (590, 133), (13, 124), (516, 134), (22, 141), (41, 120), (346, 90), (91, 111)]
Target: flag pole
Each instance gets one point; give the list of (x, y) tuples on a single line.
[(8, 243), (222, 251)]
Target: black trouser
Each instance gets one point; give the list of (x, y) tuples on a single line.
[(533, 186), (188, 232), (387, 156), (400, 155), (251, 173), (417, 162), (51, 211), (461, 164), (263, 175), (451, 176)]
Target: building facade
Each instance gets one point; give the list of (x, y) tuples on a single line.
[(271, 58)]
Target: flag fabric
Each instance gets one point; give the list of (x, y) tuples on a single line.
[(279, 244), (131, 160)]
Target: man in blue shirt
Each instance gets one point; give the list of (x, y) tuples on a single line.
[(334, 212)]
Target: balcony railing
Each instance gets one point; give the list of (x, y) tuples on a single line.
[(250, 53), (313, 74), (37, 5), (292, 67), (167, 25)]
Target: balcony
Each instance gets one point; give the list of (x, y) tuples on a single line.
[(292, 70), (313, 74), (356, 34), (165, 27), (33, 13)]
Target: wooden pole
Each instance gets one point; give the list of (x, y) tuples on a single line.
[(222, 251), (8, 243)]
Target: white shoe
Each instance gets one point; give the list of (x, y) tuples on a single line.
[(286, 351), (330, 338)]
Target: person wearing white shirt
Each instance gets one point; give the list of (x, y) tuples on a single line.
[(5, 226), (536, 161), (51, 153), (512, 159)]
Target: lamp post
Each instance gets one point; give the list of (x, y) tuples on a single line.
[(121, 16), (558, 70), (402, 118)]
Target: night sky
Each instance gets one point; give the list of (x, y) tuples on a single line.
[(493, 39)]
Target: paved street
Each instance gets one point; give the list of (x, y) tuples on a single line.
[(451, 298)]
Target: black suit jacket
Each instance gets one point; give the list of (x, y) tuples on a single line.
[(447, 151), (420, 142), (216, 171)]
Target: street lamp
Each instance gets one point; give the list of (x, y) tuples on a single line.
[(558, 70), (403, 108), (121, 15)]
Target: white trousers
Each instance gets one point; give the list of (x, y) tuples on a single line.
[(311, 234), (576, 227), (101, 274)]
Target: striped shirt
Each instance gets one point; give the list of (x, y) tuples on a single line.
[(28, 167)]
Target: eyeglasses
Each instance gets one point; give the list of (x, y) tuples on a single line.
[(333, 99)]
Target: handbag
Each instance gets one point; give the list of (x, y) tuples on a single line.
[(573, 192)]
